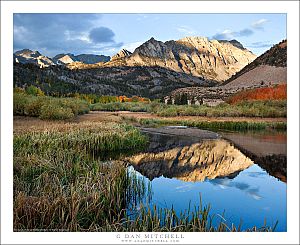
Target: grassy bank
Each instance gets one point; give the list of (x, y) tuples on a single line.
[(269, 108), (214, 125), (47, 107), (59, 182)]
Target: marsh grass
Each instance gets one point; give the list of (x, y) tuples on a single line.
[(59, 182), (197, 219), (215, 125)]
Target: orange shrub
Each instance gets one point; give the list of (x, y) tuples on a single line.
[(132, 99), (278, 92)]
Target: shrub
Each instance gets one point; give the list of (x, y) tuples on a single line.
[(20, 101), (33, 90), (47, 107), (169, 112), (77, 106), (278, 92), (54, 110), (33, 106)]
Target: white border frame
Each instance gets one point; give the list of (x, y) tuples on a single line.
[(7, 10)]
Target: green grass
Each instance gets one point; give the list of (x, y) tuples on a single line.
[(243, 109), (46, 107), (222, 125)]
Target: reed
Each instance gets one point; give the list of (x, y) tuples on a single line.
[(59, 182)]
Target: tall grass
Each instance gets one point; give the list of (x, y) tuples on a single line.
[(59, 182)]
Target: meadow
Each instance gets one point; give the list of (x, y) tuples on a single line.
[(268, 108)]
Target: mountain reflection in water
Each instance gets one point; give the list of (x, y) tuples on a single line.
[(232, 175), (206, 159), (193, 159)]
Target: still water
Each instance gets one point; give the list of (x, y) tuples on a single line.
[(243, 182)]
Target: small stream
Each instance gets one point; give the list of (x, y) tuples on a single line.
[(241, 175)]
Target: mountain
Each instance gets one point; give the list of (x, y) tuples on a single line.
[(267, 70), (196, 56), (91, 58), (199, 57), (83, 58), (153, 70), (63, 59), (150, 82), (28, 56)]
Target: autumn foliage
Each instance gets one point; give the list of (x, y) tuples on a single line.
[(132, 99), (278, 92)]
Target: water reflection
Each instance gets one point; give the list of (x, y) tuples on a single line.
[(207, 159), (175, 169), (225, 182), (267, 150)]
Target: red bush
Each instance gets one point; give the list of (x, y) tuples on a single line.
[(278, 92)]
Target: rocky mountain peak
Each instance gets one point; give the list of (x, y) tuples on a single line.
[(121, 54), (152, 49), (64, 59), (35, 57), (27, 53)]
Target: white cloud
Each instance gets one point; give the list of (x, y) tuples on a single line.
[(259, 24), (186, 30)]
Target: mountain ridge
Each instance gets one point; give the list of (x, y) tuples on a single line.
[(29, 56), (196, 56)]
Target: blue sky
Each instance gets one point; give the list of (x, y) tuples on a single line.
[(106, 34)]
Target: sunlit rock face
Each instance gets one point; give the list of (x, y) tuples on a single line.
[(197, 56), (207, 159)]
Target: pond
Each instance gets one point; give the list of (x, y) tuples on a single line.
[(241, 175)]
